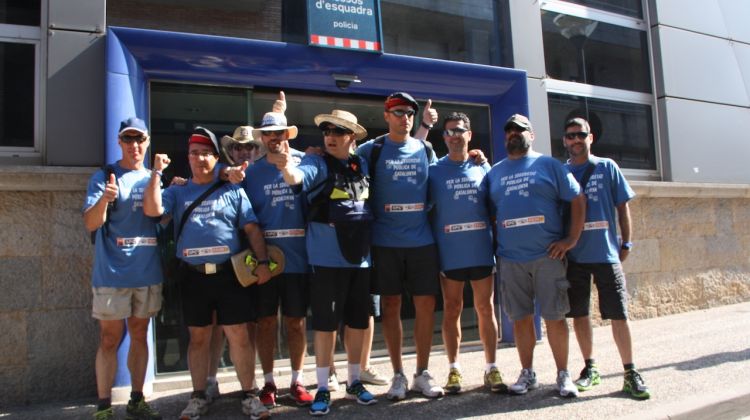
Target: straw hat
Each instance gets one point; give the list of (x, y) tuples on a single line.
[(342, 119), (273, 121), (241, 136)]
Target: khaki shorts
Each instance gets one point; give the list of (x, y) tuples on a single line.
[(543, 280), (114, 303)]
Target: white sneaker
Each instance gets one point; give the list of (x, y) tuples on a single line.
[(425, 384), (333, 382), (399, 386), (212, 390), (371, 376), (194, 409), (526, 381), (565, 385), (251, 406)]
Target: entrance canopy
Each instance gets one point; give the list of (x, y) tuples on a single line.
[(135, 56)]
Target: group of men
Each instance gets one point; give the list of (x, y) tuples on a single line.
[(354, 223)]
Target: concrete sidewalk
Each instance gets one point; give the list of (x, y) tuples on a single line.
[(697, 365)]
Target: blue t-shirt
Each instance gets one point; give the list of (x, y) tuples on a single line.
[(399, 195), (526, 196), (127, 256), (322, 244), (212, 232), (605, 190), (279, 210), (461, 222)]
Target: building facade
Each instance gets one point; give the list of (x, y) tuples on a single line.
[(652, 77)]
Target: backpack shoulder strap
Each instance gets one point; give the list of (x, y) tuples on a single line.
[(195, 204), (377, 148), (428, 150)]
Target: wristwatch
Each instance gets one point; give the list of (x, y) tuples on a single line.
[(425, 125), (627, 245), (264, 262)]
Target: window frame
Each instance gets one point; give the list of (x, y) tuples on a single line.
[(29, 35), (606, 93)]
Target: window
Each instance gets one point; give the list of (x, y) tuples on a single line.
[(468, 31), (19, 71), (598, 67)]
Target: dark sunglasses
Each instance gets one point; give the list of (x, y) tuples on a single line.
[(455, 132), (335, 131), (400, 112), (132, 139), (248, 147), (272, 132), (580, 134)]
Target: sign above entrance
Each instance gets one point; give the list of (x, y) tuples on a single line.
[(347, 24)]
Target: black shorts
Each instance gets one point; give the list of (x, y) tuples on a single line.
[(406, 269), (340, 295), (610, 284), (290, 290), (202, 294), (469, 273)]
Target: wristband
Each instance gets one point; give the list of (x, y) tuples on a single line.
[(427, 126), (627, 245), (154, 171)]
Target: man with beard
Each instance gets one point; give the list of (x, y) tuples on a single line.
[(205, 242), (526, 189), (599, 253)]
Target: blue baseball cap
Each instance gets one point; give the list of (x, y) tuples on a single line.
[(133, 123)]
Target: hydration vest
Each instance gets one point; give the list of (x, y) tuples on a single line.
[(342, 203)]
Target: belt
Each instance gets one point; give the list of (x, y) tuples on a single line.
[(208, 268)]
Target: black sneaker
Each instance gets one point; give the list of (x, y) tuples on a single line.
[(141, 411), (321, 405), (634, 385), (589, 378)]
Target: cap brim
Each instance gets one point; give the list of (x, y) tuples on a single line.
[(140, 130)]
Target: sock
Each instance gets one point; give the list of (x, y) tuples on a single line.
[(353, 369), (199, 394), (398, 372), (489, 367), (211, 379), (628, 366), (420, 370), (297, 376), (269, 378), (322, 374), (247, 394), (455, 365), (590, 362), (103, 404), (136, 396)]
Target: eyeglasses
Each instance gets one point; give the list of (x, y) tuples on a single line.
[(455, 132), (580, 134), (201, 153), (245, 147), (335, 131), (270, 133), (400, 112), (132, 139)]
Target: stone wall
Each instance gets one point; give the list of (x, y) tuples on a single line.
[(691, 252)]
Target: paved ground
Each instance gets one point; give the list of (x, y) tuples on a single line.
[(696, 363)]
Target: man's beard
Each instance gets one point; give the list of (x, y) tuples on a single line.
[(517, 144)]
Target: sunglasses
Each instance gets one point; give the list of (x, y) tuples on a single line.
[(580, 134), (272, 132), (201, 153), (245, 147), (455, 132), (400, 112), (132, 139), (335, 131)]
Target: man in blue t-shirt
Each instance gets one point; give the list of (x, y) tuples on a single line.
[(338, 247), (205, 240), (127, 277), (526, 190), (404, 252), (599, 253), (462, 229)]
